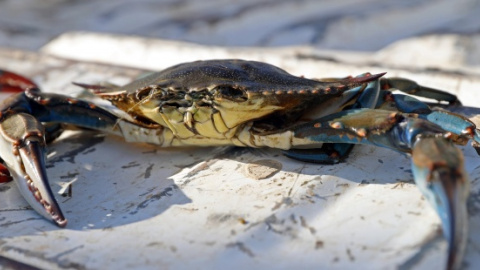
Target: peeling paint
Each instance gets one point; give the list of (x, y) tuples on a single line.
[(262, 169), (242, 247), (83, 144), (166, 192)]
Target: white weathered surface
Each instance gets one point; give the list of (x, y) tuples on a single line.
[(137, 206)]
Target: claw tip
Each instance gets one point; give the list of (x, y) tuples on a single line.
[(61, 222)]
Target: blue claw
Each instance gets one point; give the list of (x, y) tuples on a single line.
[(437, 165), (439, 174), (23, 151)]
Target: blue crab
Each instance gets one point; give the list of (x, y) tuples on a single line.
[(252, 104)]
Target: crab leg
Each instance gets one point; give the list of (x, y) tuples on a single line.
[(439, 173), (436, 163), (373, 97), (411, 87), (22, 142), (452, 122), (331, 153), (12, 83), (22, 147), (23, 150)]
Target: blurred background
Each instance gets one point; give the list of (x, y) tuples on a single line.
[(367, 25)]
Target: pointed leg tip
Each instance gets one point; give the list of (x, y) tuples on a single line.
[(57, 216), (62, 222), (363, 79), (380, 74), (376, 76)]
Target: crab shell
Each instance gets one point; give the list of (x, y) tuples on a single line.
[(212, 99)]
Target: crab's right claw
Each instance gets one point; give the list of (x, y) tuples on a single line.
[(22, 148), (439, 173)]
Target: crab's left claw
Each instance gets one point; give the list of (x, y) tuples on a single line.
[(438, 171), (22, 148)]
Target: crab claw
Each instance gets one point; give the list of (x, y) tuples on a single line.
[(14, 83), (22, 146), (411, 87), (439, 173)]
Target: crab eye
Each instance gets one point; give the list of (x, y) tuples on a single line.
[(231, 93)]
